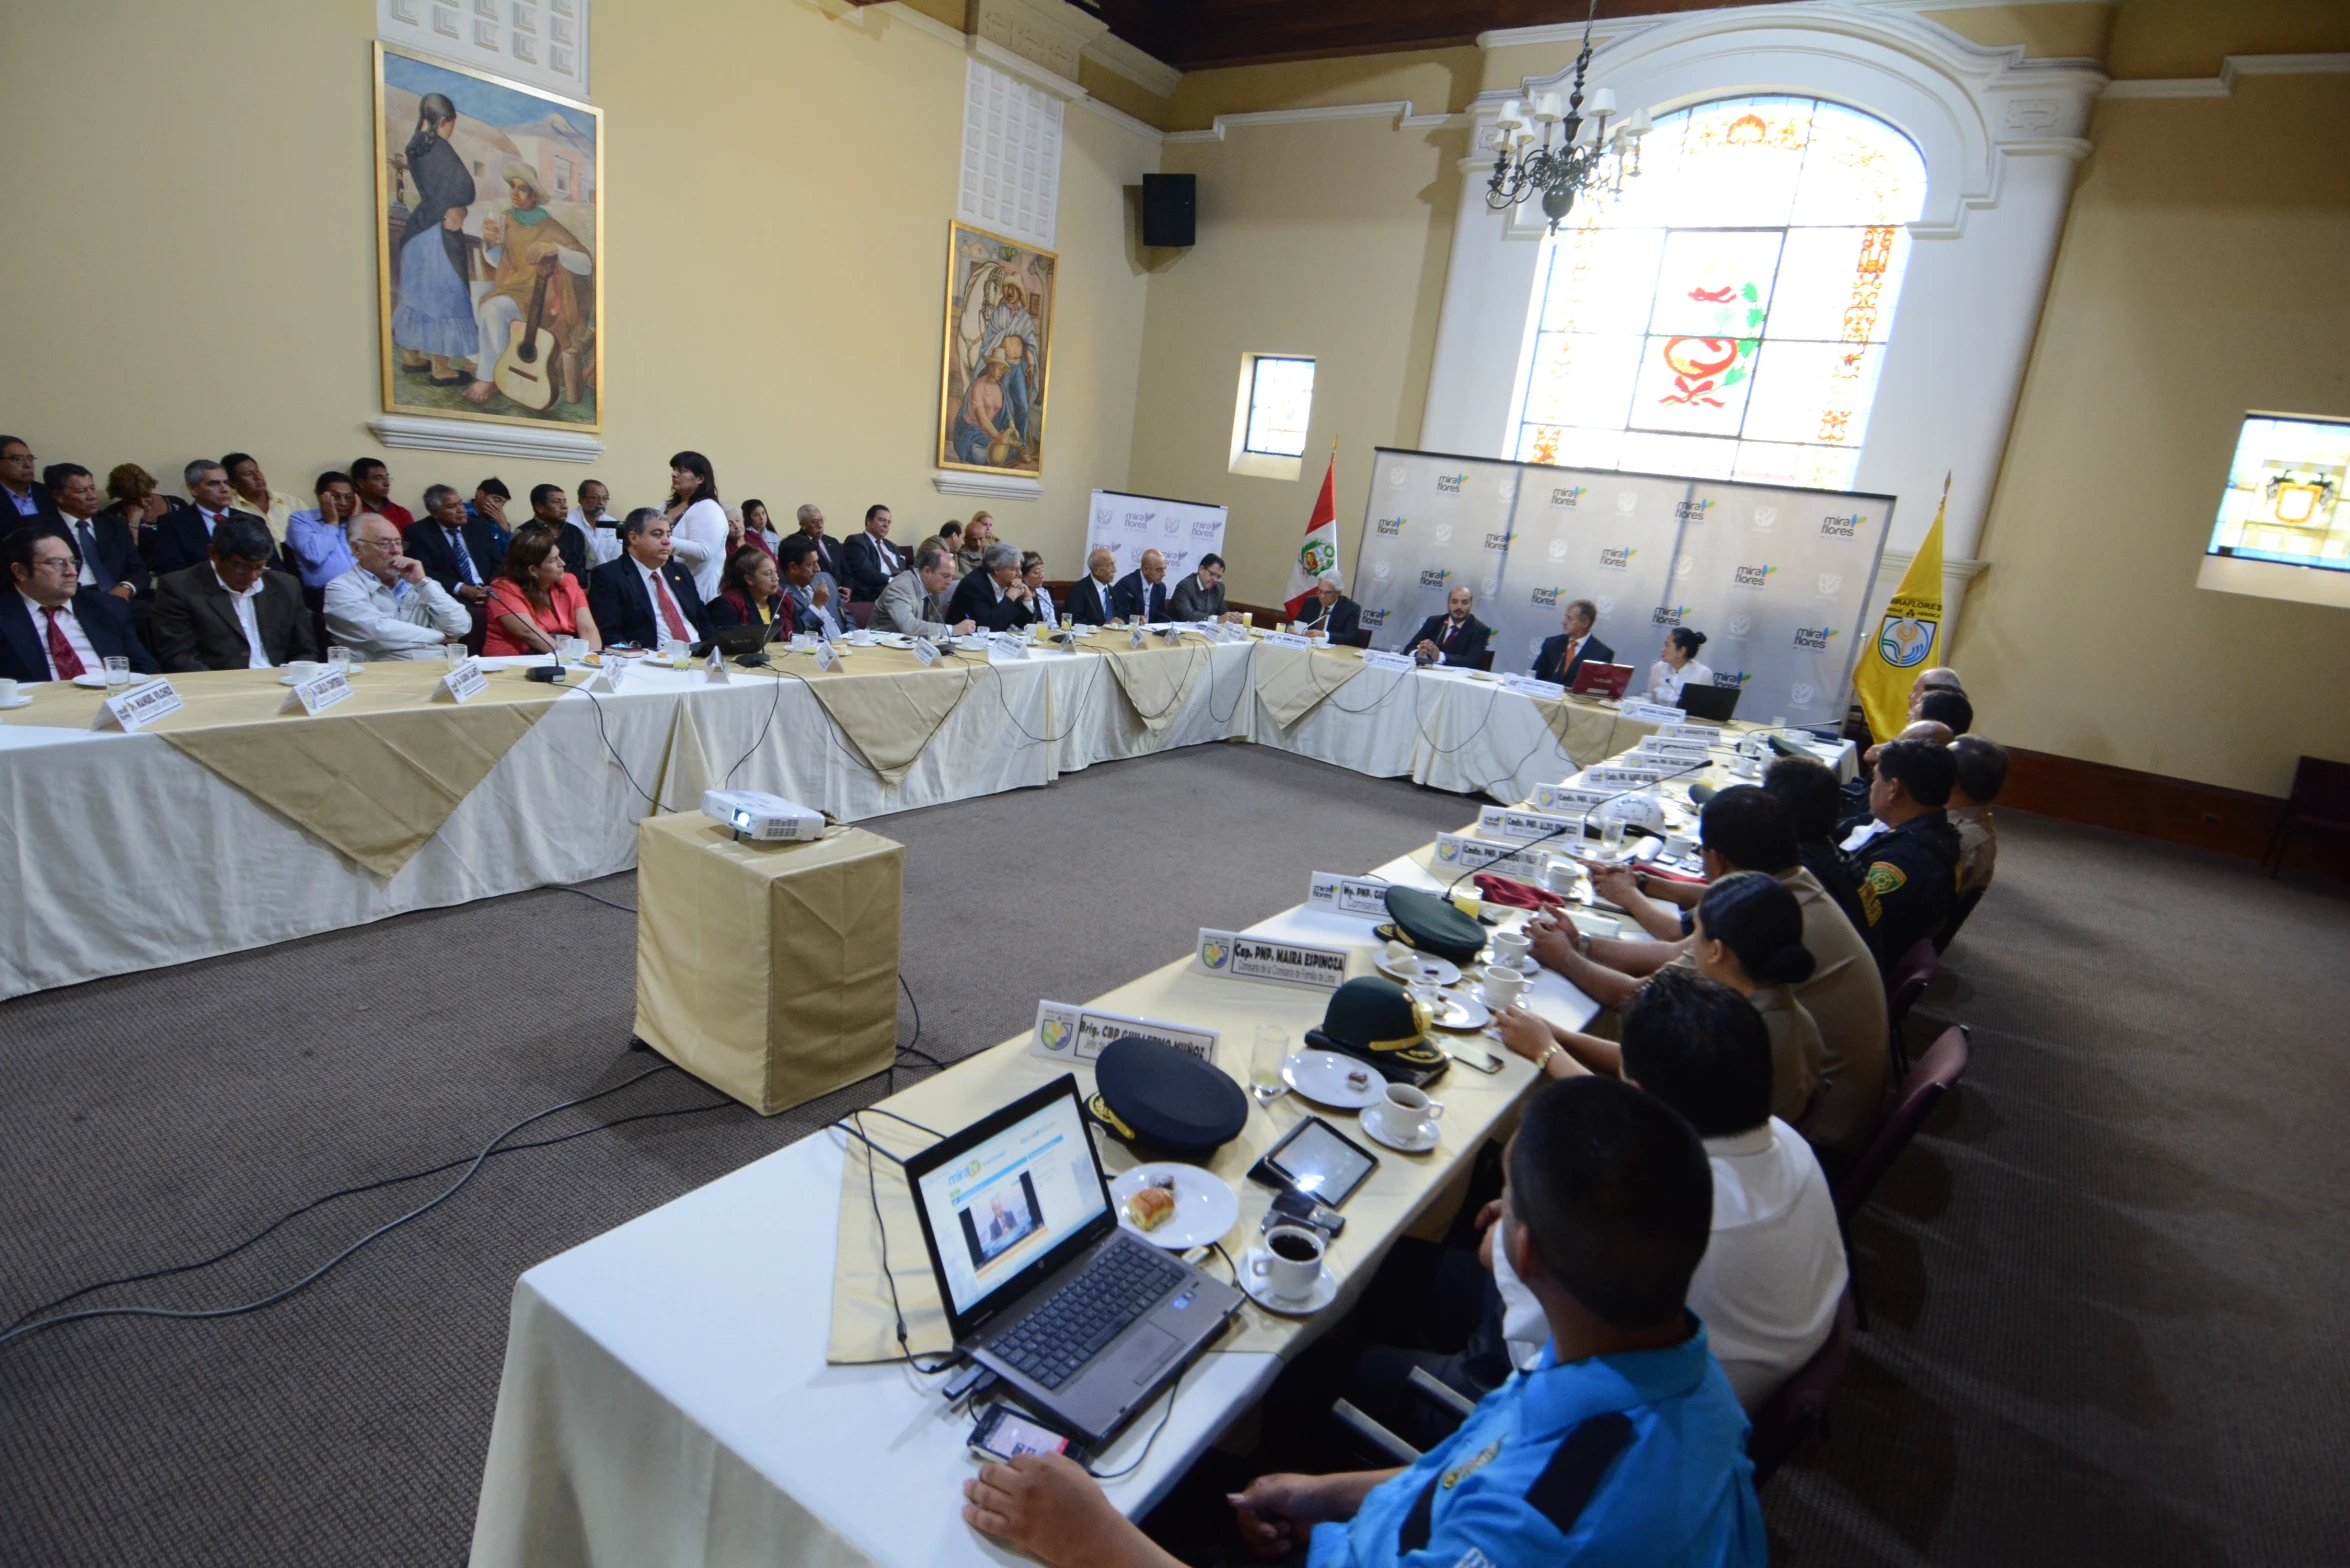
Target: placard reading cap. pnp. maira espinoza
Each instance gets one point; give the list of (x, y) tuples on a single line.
[(1232, 956), (1068, 1032)]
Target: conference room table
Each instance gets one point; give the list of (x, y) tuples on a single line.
[(233, 825)]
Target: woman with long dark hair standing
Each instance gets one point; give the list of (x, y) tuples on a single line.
[(434, 322), (697, 521)]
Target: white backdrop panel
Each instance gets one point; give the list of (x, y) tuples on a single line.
[(1182, 531)]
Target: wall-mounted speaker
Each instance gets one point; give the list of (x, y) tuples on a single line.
[(1169, 205)]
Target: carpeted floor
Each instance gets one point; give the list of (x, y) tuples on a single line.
[(2103, 1287)]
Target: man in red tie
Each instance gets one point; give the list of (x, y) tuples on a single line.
[(53, 628), (645, 599), (1455, 637)]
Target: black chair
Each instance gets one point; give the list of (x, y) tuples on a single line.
[(1357, 639), (1911, 975), (1965, 907), (1800, 1407), (1936, 1074), (1474, 661), (2320, 803), (1381, 1439)]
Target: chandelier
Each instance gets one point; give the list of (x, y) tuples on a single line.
[(1576, 154)]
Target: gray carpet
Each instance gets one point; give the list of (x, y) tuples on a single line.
[(2104, 1286)]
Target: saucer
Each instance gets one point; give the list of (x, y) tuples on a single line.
[(1461, 1012), (22, 701), (1321, 1077), (1435, 971), (1525, 966), (93, 680), (1260, 1290), (1374, 1125)]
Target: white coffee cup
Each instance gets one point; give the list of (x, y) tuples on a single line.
[(1291, 1261), (305, 669), (8, 692), (1407, 1115), (1503, 987), (1511, 946)]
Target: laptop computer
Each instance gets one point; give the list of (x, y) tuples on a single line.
[(1601, 680), (1041, 1285), (1709, 702)]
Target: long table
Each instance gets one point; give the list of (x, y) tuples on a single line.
[(131, 853)]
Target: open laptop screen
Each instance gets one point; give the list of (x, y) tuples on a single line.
[(1010, 1199)]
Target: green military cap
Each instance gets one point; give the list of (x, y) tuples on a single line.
[(1433, 924)]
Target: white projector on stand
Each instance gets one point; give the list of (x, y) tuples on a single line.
[(764, 818)]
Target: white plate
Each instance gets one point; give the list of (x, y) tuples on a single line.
[(91, 680), (1321, 1077), (1206, 1207), (22, 701), (1433, 970), (1461, 1012), (1260, 1290), (1525, 966), (1374, 1128)]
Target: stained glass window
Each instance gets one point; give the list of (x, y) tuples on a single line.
[(1726, 314)]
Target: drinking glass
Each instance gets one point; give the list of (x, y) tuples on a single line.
[(118, 671), (453, 653), (1264, 1064), (1611, 834), (1067, 620), (338, 660), (673, 652)]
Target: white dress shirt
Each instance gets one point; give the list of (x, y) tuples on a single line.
[(603, 543), (698, 538), (248, 620), (655, 587), (400, 621), (75, 638), (1665, 682), (1770, 1279)]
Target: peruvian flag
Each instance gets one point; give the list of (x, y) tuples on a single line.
[(1319, 553)]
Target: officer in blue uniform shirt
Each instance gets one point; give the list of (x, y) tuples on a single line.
[(1623, 1444)]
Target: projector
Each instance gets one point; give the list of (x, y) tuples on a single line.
[(765, 818)]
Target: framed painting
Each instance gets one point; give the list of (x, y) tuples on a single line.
[(489, 246), (997, 354)]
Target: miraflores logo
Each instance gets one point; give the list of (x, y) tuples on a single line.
[(1375, 619), (1627, 500), (1765, 518), (1753, 576), (1499, 541), (1450, 484), (1567, 495), (1814, 637), (1830, 585), (1694, 511), (1558, 548), (1392, 527), (1606, 603), (1203, 528), (1740, 625), (1138, 522), (1843, 527), (1669, 614), (1731, 678), (1436, 577), (1802, 691), (1545, 596), (1615, 559), (1444, 533)]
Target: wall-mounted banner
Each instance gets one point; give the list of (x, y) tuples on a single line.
[(1775, 577), (1068, 1032), (1182, 531)]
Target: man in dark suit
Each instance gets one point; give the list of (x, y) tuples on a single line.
[(232, 612), (1091, 599), (1456, 636), (51, 627), (183, 536), (462, 554), (550, 508), (1330, 610), (104, 552), (22, 498), (644, 598), (1561, 656), (994, 596), (1141, 595), (868, 561)]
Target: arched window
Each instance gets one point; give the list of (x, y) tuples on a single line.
[(1725, 316)]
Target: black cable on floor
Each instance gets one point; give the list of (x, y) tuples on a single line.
[(23, 1330)]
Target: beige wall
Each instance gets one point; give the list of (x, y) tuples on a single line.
[(775, 254), (2200, 277), (1327, 238)]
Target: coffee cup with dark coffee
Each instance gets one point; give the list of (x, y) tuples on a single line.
[(1291, 1263)]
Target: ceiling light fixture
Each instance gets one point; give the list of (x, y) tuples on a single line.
[(1576, 154)]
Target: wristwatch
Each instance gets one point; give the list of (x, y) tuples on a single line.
[(1542, 1062)]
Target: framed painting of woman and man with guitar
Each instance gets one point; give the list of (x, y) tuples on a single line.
[(489, 246)]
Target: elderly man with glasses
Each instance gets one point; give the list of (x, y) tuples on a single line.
[(995, 596), (386, 607)]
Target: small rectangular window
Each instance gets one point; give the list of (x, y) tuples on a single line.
[(1280, 402)]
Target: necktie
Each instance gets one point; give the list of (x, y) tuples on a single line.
[(61, 654), (669, 616), (100, 578), (465, 569), (1450, 627)]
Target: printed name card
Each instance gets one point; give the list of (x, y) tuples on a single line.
[(1711, 734), (319, 693), (1498, 822), (1672, 753), (1459, 852), (1002, 649), (1335, 894), (1651, 712), (1135, 641), (925, 652), (714, 673), (463, 683), (1237, 957), (1566, 798), (1620, 777), (1402, 662), (1528, 686), (1286, 640), (827, 658), (1066, 1032), (138, 707)]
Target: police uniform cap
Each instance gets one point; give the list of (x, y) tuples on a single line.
[(1151, 1094), (1434, 924)]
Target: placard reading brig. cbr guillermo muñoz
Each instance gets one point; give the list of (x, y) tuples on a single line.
[(1777, 578)]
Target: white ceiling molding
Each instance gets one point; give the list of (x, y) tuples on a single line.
[(1398, 110), (542, 43), (2233, 67), (1124, 121), (471, 435), (994, 487), (1148, 72)]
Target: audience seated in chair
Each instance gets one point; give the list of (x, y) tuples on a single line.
[(232, 612), (1200, 597), (550, 509), (1141, 595), (460, 553), (105, 548), (1040, 598), (385, 607), (915, 602), (255, 496), (23, 499), (1561, 656), (1088, 601), (868, 560), (183, 537), (536, 602), (1905, 847), (318, 538), (644, 598), (748, 594), (815, 607), (373, 480), (51, 626), (1815, 802), (1622, 1442), (1330, 610), (1980, 773), (995, 596)]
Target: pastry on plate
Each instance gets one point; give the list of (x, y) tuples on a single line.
[(1151, 1207)]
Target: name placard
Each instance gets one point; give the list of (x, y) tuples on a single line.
[(1003, 649), (463, 683), (1067, 1032), (1711, 734), (925, 652), (1135, 641), (1567, 799), (1379, 660), (1528, 686), (1236, 957), (1286, 640), (319, 693), (1624, 775), (138, 707), (1651, 712), (827, 657), (715, 671), (1365, 896), (1498, 822), (1462, 852), (1673, 752)]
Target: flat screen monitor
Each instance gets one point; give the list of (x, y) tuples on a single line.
[(2283, 530)]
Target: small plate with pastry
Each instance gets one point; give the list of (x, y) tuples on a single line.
[(1177, 1207), (1334, 1079)]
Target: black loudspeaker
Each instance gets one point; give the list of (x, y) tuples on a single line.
[(1169, 205)]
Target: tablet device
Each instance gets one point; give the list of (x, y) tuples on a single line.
[(1317, 1160)]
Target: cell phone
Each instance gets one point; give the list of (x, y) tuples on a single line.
[(1003, 1434), (1470, 1056), (1291, 1207)]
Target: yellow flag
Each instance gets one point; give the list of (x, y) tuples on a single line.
[(1907, 639)]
